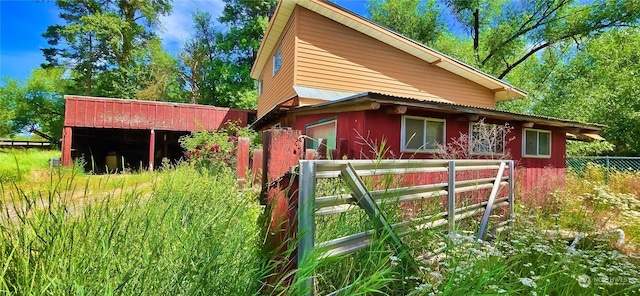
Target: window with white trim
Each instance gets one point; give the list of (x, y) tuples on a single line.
[(421, 134), (321, 130), (259, 87), (487, 138), (277, 60), (537, 143)]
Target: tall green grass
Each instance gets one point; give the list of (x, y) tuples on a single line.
[(196, 235), (16, 164)]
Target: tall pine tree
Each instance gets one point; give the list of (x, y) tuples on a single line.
[(102, 36)]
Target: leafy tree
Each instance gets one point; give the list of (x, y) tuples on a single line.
[(578, 148), (161, 76), (505, 33), (246, 21), (216, 63), (36, 105), (419, 20), (600, 84), (100, 36), (199, 59)]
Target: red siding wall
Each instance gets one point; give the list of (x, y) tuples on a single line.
[(377, 125), (134, 114)]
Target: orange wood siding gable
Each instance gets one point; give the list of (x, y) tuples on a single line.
[(333, 56), (278, 87), (325, 46)]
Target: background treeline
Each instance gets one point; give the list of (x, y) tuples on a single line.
[(576, 59)]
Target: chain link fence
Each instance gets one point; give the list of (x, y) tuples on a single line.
[(610, 163)]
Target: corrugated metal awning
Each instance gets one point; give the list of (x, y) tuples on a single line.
[(385, 99), (321, 93), (587, 137)]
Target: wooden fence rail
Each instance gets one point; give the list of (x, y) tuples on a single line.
[(25, 144)]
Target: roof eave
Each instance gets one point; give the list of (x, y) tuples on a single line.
[(275, 28), (448, 107)]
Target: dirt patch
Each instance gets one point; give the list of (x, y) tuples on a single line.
[(16, 205)]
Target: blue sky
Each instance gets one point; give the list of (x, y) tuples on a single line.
[(22, 23)]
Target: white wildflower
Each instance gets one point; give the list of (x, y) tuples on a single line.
[(528, 282)]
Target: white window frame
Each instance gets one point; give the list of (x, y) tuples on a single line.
[(403, 140), (471, 140), (538, 132), (333, 121), (260, 87), (277, 56)]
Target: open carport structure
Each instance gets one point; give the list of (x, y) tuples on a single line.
[(115, 134)]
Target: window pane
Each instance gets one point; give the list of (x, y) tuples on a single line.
[(544, 146), (277, 60), (531, 142), (413, 133), (435, 133), (322, 131)]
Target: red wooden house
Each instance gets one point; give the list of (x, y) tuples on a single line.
[(337, 76)]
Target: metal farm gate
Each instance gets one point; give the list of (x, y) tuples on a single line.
[(497, 175)]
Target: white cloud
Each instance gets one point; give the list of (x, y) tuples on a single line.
[(176, 28)]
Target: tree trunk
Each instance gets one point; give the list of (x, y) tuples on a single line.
[(476, 34)]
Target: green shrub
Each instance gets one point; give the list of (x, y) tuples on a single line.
[(216, 150)]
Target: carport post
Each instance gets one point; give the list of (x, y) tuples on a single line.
[(152, 148), (66, 146)]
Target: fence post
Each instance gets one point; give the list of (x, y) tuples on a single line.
[(256, 167), (152, 148), (306, 217), (608, 166), (451, 200), (242, 164), (67, 133), (281, 230), (511, 193), (281, 150)]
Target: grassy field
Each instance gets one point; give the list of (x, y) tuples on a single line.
[(188, 230), (17, 165), (28, 173), (195, 234)]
